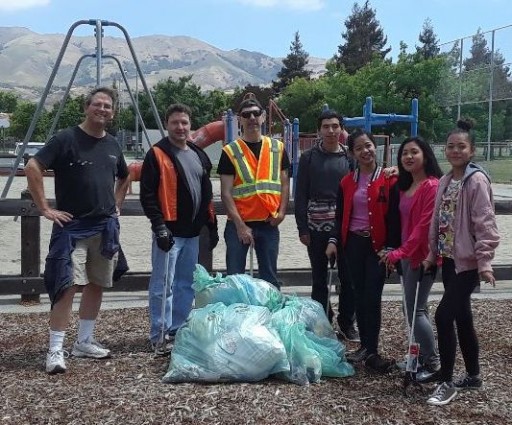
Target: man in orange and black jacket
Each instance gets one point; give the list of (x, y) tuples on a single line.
[(176, 195)]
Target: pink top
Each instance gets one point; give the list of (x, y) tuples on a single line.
[(359, 219), (415, 246), (405, 210)]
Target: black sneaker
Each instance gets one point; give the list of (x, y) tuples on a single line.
[(468, 382), (163, 348), (357, 356), (378, 364), (349, 333)]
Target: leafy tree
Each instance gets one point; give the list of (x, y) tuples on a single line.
[(206, 106), (263, 94), (294, 65), (72, 113), (429, 42), (364, 39), (21, 119), (507, 122), (8, 101)]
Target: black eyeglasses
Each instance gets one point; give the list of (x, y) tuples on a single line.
[(247, 114)]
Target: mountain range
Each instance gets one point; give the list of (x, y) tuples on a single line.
[(27, 59)]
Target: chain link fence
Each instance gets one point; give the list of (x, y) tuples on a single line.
[(478, 85)]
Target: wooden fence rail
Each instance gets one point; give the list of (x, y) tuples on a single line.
[(29, 283)]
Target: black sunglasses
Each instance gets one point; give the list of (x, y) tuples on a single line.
[(247, 114)]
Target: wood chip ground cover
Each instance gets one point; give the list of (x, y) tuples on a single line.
[(126, 389)]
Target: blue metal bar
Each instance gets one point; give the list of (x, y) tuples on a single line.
[(229, 126), (415, 114)]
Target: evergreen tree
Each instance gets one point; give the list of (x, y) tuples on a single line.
[(294, 65), (364, 39), (430, 43), (480, 53)]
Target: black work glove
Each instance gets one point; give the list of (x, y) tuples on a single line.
[(164, 238), (214, 237)]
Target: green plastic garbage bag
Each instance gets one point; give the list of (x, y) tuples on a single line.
[(238, 288), (222, 343)]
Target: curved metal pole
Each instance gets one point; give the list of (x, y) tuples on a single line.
[(40, 106), (134, 103), (139, 71), (66, 94)]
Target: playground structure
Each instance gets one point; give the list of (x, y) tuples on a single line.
[(98, 56)]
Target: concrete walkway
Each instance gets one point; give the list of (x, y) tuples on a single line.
[(120, 300)]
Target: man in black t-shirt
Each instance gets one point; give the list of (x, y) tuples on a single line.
[(85, 236)]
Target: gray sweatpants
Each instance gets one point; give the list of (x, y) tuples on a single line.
[(423, 333)]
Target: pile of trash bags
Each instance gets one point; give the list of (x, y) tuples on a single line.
[(244, 329)]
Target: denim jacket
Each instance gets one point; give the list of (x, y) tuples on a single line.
[(58, 273)]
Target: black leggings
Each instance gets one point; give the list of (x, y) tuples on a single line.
[(455, 306)]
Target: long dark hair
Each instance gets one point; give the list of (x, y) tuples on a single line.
[(430, 164)]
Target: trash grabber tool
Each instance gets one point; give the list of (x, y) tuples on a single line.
[(161, 341), (251, 260), (332, 262), (413, 351)]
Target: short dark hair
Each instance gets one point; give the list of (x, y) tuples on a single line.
[(177, 107), (430, 165), (247, 103), (358, 132), (105, 90), (328, 114), (464, 126)]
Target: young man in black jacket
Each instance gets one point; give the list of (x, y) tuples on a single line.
[(320, 170), (176, 195)]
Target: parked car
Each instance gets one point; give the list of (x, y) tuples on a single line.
[(30, 150)]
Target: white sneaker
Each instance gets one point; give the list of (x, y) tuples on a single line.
[(55, 362), (98, 344), (90, 349)]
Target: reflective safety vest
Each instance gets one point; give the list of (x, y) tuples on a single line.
[(168, 186), (257, 185)]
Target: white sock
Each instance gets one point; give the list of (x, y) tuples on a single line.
[(85, 330), (56, 340)]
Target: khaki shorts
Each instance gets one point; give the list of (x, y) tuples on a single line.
[(89, 266)]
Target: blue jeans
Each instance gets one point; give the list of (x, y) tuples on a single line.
[(179, 295), (266, 245)]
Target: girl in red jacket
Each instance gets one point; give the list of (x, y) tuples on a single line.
[(359, 234), (413, 203)]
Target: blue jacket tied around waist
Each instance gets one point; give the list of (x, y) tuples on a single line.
[(58, 273)]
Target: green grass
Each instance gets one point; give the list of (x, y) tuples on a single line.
[(499, 169)]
